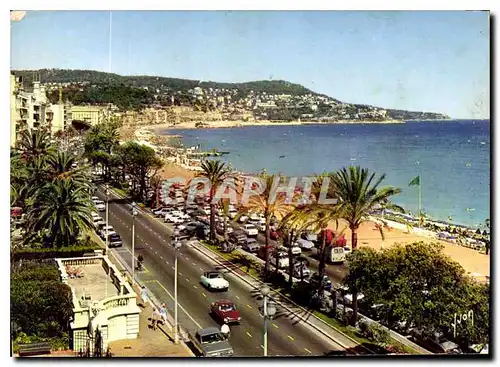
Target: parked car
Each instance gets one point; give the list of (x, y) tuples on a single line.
[(301, 271), (251, 245), (114, 240), (219, 227), (225, 311), (214, 280), (283, 260), (304, 244), (243, 219), (261, 227), (238, 237), (95, 198), (250, 230), (102, 232), (309, 236), (232, 214), (211, 343), (325, 281), (99, 204)]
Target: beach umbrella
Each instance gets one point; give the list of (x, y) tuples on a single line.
[(478, 231)]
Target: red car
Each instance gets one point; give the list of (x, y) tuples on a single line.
[(274, 235), (225, 311)]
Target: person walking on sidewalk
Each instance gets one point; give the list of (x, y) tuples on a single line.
[(155, 317), (163, 313), (144, 296)]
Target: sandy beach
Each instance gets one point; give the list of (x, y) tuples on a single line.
[(241, 123), (471, 260)]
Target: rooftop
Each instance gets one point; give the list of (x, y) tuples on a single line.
[(92, 283)]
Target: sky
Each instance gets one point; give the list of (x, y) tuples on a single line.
[(414, 60)]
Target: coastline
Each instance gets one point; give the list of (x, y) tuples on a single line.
[(241, 123)]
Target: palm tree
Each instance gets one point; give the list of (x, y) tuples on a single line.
[(34, 144), (224, 205), (60, 167), (358, 194), (264, 203), (216, 172), (63, 209)]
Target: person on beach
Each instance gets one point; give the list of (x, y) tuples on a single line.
[(163, 313), (225, 331), (144, 296)]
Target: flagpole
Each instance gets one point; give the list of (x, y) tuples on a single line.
[(420, 199)]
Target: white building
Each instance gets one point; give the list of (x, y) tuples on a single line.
[(102, 299)]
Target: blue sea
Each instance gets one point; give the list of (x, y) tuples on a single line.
[(451, 157)]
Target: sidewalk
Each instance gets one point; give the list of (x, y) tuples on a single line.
[(150, 343)]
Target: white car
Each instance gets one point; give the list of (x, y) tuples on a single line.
[(99, 204), (250, 230), (95, 198), (304, 244), (254, 217), (261, 227), (206, 210), (232, 214), (110, 230), (214, 280), (282, 260), (243, 219), (175, 220)]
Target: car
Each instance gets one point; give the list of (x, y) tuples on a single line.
[(304, 244), (238, 237), (300, 270), (95, 198), (177, 220), (211, 343), (243, 219), (274, 235), (309, 236), (251, 245), (326, 282), (225, 311), (206, 210), (347, 250), (214, 281), (114, 240), (99, 204), (232, 214), (102, 232), (295, 250), (261, 227), (219, 227), (98, 222), (283, 260), (190, 227), (250, 230)]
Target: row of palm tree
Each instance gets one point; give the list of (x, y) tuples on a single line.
[(55, 196), (358, 193)]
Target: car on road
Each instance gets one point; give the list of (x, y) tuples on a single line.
[(309, 236), (295, 250), (250, 230), (211, 343), (95, 198), (283, 260), (99, 204), (114, 240), (304, 244), (325, 281), (238, 237), (225, 311), (261, 227), (232, 214), (214, 281), (243, 219), (102, 232), (301, 271), (219, 227), (251, 245)]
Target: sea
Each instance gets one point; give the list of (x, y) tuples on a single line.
[(452, 157)]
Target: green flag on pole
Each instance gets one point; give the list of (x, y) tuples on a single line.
[(415, 181)]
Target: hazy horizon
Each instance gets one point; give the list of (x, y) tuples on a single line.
[(418, 61)]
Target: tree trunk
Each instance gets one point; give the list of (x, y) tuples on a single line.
[(225, 227), (212, 221), (354, 244), (266, 246), (290, 259), (321, 255)]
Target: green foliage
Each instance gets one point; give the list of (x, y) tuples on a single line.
[(49, 253), (374, 332), (418, 284), (34, 271), (40, 307)]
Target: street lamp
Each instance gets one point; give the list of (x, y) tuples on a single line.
[(134, 214), (107, 229), (268, 309), (177, 245)]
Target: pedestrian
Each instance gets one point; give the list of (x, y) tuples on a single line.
[(225, 331), (155, 317), (163, 313), (144, 296)]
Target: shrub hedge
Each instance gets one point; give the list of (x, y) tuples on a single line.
[(50, 253)]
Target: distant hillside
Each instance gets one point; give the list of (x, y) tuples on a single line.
[(264, 99)]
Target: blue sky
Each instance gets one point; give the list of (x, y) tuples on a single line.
[(424, 61)]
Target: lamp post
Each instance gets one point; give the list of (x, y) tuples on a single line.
[(177, 245), (268, 309), (106, 191), (134, 214)]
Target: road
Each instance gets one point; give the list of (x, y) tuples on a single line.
[(286, 336)]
